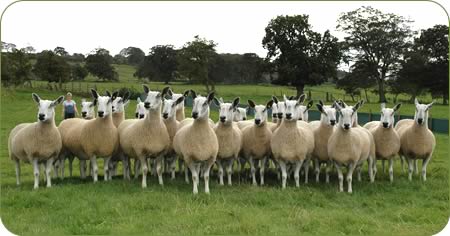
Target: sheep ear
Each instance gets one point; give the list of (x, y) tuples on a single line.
[(361, 103), (139, 100), (186, 93), (320, 108), (126, 96), (210, 97), (251, 103), (342, 103), (94, 102), (193, 93), (383, 105), (236, 102), (291, 97), (165, 91), (94, 93), (357, 106), (126, 103), (216, 102), (146, 89), (396, 107), (57, 101), (337, 106), (269, 104), (416, 101), (36, 97), (285, 98), (114, 95), (108, 93), (170, 92), (310, 103), (221, 100), (301, 99), (275, 99), (321, 103), (179, 100), (430, 105)]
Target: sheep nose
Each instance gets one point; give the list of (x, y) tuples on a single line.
[(101, 113), (420, 120), (141, 116), (274, 115), (385, 124), (147, 105), (346, 126), (288, 116), (332, 122), (83, 114), (280, 115), (245, 118), (165, 115), (41, 117), (222, 119), (195, 115), (257, 121), (300, 118), (136, 114)]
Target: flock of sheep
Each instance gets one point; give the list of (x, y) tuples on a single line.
[(160, 135)]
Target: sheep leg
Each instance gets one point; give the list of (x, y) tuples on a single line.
[(261, 170), (391, 170), (358, 171), (71, 165), (402, 163), (173, 167), (253, 171), (410, 168), (159, 165), (298, 166), (194, 172), (62, 163), (106, 170), (180, 165), (374, 169), (371, 164), (340, 176), (126, 170), (36, 173), (306, 167), (424, 167), (327, 171), (283, 173), (206, 171), (144, 169), (48, 169), (382, 166), (94, 168), (186, 174), (91, 170), (351, 168), (17, 164), (317, 169), (229, 169), (137, 166), (219, 164), (56, 167), (82, 169), (416, 166)]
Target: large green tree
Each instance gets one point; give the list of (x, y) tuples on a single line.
[(379, 38), (362, 75), (79, 72), (194, 61), (98, 64), (300, 55), (16, 67), (135, 56), (160, 64), (52, 67)]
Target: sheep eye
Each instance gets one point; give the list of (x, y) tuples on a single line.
[(204, 104)]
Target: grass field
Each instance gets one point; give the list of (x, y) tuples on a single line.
[(73, 206)]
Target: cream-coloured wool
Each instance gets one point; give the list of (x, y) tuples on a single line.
[(197, 142), (229, 137), (180, 107), (38, 142), (256, 140), (147, 137), (99, 136), (416, 140), (386, 138)]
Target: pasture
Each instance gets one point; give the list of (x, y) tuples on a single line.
[(74, 206)]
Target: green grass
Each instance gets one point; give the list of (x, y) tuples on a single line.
[(74, 206)]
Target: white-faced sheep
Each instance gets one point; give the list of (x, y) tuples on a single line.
[(140, 109), (416, 140), (229, 137), (256, 140), (180, 107), (349, 146), (240, 114), (148, 137), (88, 109), (196, 142), (99, 136), (322, 132), (38, 142), (387, 140)]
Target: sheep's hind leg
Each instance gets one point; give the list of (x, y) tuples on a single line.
[(317, 169), (351, 168), (159, 165), (340, 176), (71, 165), (391, 170), (383, 167), (229, 169), (206, 170), (173, 167), (327, 171), (94, 168), (410, 168), (424, 166), (144, 169), (416, 166), (253, 171), (106, 170), (17, 165), (358, 171), (48, 169), (219, 164), (298, 166), (306, 164), (261, 170), (36, 173), (83, 169)]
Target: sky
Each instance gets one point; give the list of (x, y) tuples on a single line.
[(237, 27)]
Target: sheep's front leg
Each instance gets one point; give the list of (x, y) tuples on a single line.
[(340, 176), (410, 168), (144, 170), (424, 166), (261, 170), (173, 167), (351, 168), (317, 169), (94, 168), (17, 165), (306, 161), (36, 173), (106, 173), (229, 169), (283, 170), (48, 169), (372, 162), (253, 171), (327, 171), (159, 164), (416, 166), (194, 172), (391, 170), (206, 170), (219, 164), (298, 166)]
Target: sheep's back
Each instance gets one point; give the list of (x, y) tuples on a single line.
[(14, 154)]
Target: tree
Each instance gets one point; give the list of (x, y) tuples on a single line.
[(160, 64), (363, 75), (76, 57), (52, 67), (349, 85), (135, 56), (378, 38), (194, 60), (98, 63), (60, 51), (251, 68), (413, 75), (8, 47), (16, 67), (119, 59), (79, 72), (300, 55)]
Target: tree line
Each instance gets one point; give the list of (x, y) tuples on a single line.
[(381, 51)]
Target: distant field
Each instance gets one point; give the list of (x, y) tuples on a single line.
[(73, 206)]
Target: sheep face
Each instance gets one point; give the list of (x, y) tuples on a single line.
[(347, 115), (274, 113), (176, 96), (119, 104), (200, 110), (281, 109), (260, 111), (291, 108), (328, 114), (88, 109), (104, 104), (170, 107), (303, 111), (46, 108), (387, 118), (421, 115), (240, 114), (227, 110), (140, 109)]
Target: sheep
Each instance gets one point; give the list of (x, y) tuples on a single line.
[(148, 137), (229, 137), (239, 114), (99, 136), (118, 107), (88, 109), (169, 114), (140, 109), (387, 141), (416, 140), (349, 145), (289, 142), (38, 142), (256, 140), (180, 107), (322, 132), (197, 142), (304, 111)]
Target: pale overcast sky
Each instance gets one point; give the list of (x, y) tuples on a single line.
[(237, 27)]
